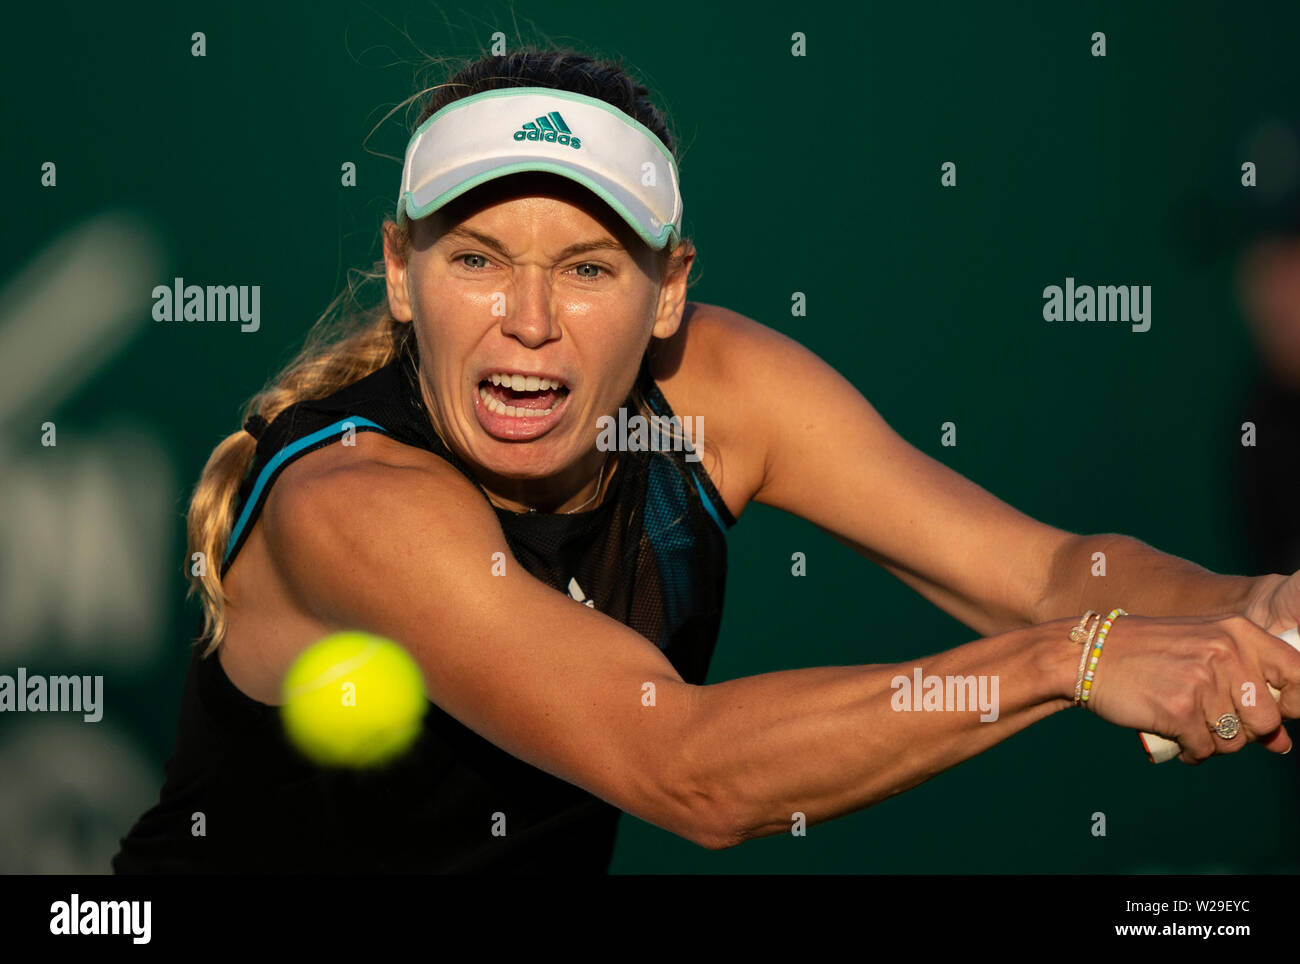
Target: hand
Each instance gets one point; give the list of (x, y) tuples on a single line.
[(1176, 676)]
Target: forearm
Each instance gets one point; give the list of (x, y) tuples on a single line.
[(829, 741), (1142, 580)]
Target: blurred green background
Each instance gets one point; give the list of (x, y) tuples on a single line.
[(817, 174)]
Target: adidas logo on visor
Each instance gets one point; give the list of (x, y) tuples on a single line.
[(549, 127)]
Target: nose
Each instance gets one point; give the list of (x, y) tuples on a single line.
[(529, 307)]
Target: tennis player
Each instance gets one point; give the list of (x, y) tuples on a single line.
[(439, 478)]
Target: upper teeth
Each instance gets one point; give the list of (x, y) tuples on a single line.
[(524, 383)]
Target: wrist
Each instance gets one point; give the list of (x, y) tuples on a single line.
[(1257, 605), (1057, 659)]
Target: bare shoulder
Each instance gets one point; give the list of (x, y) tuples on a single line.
[(359, 492), (318, 516), (373, 454), (711, 337), (720, 366)]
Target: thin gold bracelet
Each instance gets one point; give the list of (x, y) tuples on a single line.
[(1087, 645)]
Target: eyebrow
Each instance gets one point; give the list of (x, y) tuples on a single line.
[(578, 247)]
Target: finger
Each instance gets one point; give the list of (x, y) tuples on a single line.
[(1222, 705), (1196, 740), (1248, 694), (1288, 694), (1221, 702), (1264, 720), (1278, 662), (1279, 741), (1258, 710)]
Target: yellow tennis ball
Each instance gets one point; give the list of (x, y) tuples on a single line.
[(353, 700)]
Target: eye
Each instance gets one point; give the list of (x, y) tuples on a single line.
[(588, 270), (474, 260)]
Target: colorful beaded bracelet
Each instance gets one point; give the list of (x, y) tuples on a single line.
[(1096, 651)]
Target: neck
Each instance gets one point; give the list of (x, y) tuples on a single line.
[(579, 487)]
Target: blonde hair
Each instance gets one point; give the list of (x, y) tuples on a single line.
[(344, 345)]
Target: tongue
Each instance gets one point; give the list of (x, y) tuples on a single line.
[(541, 399)]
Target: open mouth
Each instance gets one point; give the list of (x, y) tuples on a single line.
[(521, 396)]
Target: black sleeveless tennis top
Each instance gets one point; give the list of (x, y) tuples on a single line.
[(238, 797)]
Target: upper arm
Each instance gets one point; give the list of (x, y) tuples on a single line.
[(409, 553), (828, 456)]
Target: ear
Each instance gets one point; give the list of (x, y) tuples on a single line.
[(672, 291), (399, 298)]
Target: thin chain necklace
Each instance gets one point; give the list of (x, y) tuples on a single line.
[(600, 479)]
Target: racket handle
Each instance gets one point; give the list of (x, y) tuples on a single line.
[(1161, 750)]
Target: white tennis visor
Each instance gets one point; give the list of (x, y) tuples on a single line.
[(509, 131)]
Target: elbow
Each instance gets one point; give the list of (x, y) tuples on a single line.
[(681, 783), (712, 828), (721, 841), (698, 806)]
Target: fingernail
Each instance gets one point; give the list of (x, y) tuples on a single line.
[(1288, 749)]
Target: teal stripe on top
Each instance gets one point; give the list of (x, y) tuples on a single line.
[(704, 496), (708, 503), (284, 455)]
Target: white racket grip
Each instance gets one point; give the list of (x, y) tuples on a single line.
[(1160, 750)]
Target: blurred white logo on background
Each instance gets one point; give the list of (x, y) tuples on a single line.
[(87, 521)]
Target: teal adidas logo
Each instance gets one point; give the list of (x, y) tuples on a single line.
[(549, 127)]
